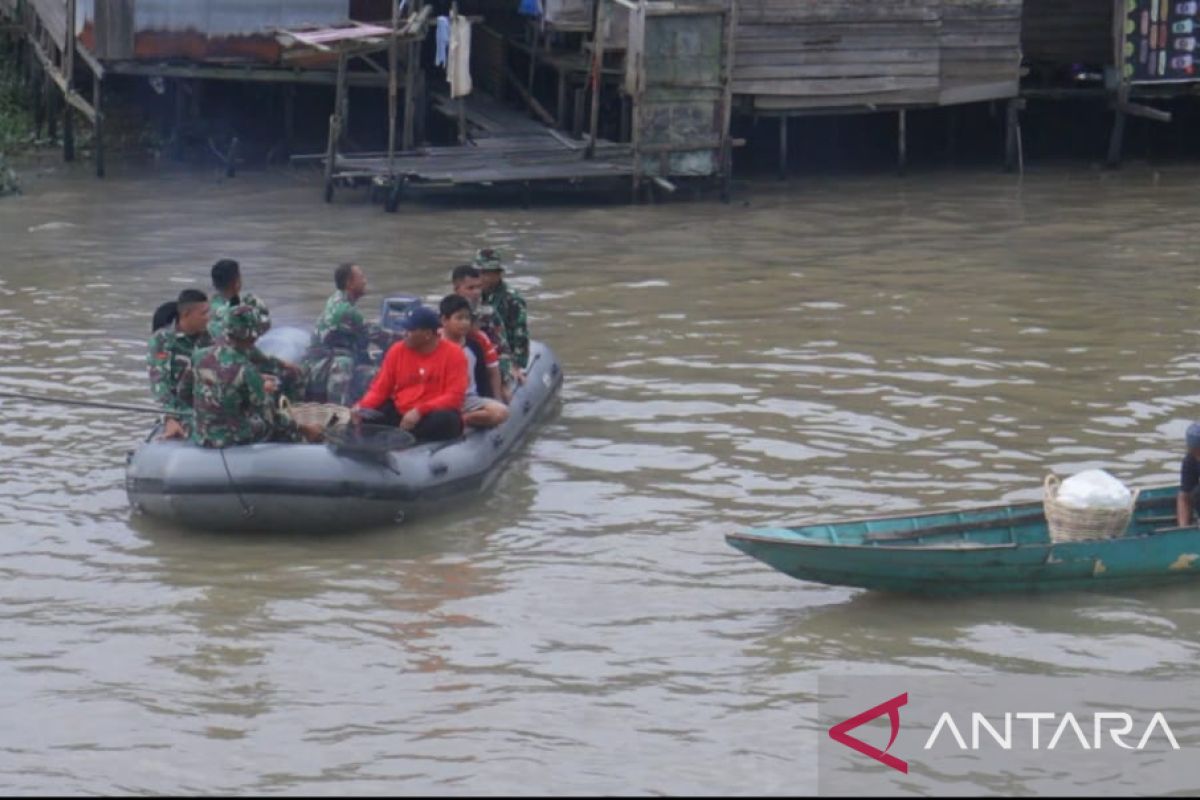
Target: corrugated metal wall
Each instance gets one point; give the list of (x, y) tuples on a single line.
[(195, 29), (235, 17)]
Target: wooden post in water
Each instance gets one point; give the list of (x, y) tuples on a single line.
[(289, 117), (597, 74), (68, 65), (783, 147), (412, 71), (335, 127), (1117, 138), (726, 154), (1014, 160), (53, 108), (98, 124), (393, 57), (41, 102), (902, 141)]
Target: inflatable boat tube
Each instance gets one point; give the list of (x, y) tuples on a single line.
[(313, 488)]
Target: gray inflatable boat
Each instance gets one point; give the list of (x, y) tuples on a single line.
[(313, 488)]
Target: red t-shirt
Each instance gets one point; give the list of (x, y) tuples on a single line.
[(427, 382), (490, 357)]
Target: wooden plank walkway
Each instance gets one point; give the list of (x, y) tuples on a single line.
[(505, 146)]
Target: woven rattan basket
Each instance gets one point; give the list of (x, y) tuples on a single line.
[(321, 414), (1069, 524)]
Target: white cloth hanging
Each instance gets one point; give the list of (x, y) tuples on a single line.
[(458, 69)]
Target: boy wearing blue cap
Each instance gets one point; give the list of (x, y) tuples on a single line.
[(1189, 477)]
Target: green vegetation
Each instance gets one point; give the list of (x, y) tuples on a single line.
[(16, 121)]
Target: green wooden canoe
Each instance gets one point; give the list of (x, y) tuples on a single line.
[(995, 549)]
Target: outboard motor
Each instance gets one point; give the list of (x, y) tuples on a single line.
[(395, 309)]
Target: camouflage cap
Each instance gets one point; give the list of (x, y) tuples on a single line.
[(487, 260), (243, 322)]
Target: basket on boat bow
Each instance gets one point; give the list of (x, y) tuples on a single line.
[(1070, 524)]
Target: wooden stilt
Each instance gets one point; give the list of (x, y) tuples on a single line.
[(951, 133), (393, 91), (53, 109), (1012, 137), (41, 99), (1116, 141), (289, 118), (783, 147), (68, 67), (597, 74), (98, 125), (902, 141), (180, 116), (560, 110), (411, 73), (577, 108), (335, 127)]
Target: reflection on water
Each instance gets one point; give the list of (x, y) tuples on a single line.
[(816, 351)]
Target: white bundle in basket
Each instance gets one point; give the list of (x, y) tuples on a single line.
[(1094, 488)]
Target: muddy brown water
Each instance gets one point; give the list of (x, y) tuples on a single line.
[(818, 350)]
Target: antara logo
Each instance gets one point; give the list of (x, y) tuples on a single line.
[(1068, 723), (840, 732), (1116, 724)]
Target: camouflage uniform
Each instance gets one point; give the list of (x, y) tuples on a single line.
[(510, 311), (493, 328), (220, 307), (291, 382), (338, 366), (231, 403), (170, 356)]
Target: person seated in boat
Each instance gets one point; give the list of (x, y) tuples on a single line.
[(422, 383), (1189, 478), (507, 303), (467, 283), (164, 315), (180, 330), (227, 281), (337, 365), (232, 402), (458, 328)]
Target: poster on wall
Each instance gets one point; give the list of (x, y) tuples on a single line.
[(1159, 42)]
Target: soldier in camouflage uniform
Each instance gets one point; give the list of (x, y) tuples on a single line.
[(231, 402), (508, 304), (227, 280), (338, 366), (170, 355)]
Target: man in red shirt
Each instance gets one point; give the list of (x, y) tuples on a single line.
[(422, 383)]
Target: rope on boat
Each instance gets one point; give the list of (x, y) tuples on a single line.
[(247, 509), (66, 401)]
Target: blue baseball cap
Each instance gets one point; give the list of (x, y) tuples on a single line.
[(421, 318)]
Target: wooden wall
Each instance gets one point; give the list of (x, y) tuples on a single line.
[(809, 54), (1066, 32)]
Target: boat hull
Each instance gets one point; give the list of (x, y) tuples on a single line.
[(312, 488), (980, 561)]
